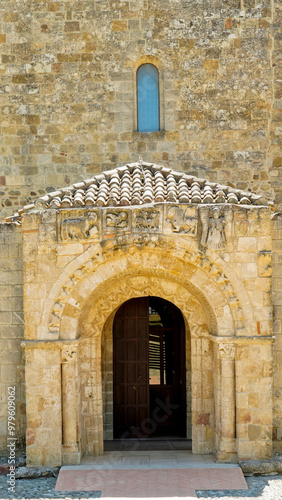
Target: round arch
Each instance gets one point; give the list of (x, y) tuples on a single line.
[(92, 287), (95, 323), (208, 278), (179, 389)]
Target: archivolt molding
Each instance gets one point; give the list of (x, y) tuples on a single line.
[(111, 295), (207, 272), (208, 275)]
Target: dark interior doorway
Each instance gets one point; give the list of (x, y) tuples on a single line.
[(149, 370)]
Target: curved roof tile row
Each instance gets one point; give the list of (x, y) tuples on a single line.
[(142, 183)]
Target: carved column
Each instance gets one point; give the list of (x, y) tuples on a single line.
[(71, 453), (227, 445)]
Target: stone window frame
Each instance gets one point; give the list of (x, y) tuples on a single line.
[(136, 65), (149, 120)]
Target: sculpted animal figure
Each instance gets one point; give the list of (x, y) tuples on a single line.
[(180, 222), (116, 219), (147, 220), (79, 228)]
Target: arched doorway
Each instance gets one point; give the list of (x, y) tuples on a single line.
[(149, 376)]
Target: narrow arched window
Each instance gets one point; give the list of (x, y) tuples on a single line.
[(148, 107)]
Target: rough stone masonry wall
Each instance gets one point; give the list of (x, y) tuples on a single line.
[(68, 91), (11, 329), (276, 115), (277, 331)]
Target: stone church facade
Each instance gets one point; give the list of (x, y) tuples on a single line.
[(183, 243)]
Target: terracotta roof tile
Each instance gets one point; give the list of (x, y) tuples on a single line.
[(142, 183)]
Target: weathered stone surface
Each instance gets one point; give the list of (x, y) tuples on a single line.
[(69, 111), (32, 473), (68, 92), (261, 467)]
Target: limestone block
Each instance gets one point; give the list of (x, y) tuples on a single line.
[(261, 228), (8, 374), (31, 221), (246, 449), (69, 249), (244, 257), (30, 243), (249, 270), (241, 228), (247, 244), (254, 432), (257, 298), (264, 243), (264, 263)]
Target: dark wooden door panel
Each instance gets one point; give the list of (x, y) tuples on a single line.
[(167, 411), (149, 339), (131, 389)]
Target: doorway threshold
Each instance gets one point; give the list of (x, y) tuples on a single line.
[(148, 444)]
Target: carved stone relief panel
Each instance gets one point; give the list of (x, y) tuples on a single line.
[(48, 228), (147, 219), (80, 225), (211, 224), (180, 219), (116, 220), (216, 226)]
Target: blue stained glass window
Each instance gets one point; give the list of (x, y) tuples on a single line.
[(148, 98)]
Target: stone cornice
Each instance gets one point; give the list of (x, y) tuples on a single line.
[(242, 340), (49, 344)]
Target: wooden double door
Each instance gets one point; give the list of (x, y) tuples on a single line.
[(149, 370)]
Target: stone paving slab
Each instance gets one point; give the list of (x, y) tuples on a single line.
[(150, 483), (152, 464), (260, 488), (149, 459)]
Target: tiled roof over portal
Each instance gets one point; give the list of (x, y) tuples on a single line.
[(142, 183)]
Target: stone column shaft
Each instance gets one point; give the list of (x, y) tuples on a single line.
[(69, 404), (227, 445), (70, 438)]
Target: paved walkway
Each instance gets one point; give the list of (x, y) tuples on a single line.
[(124, 465), (260, 488), (150, 474), (154, 474)]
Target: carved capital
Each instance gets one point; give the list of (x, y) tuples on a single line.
[(68, 354), (226, 351)]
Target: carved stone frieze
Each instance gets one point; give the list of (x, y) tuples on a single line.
[(147, 219), (77, 225), (116, 220), (180, 219), (216, 225), (211, 224)]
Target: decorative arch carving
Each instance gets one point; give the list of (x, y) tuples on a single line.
[(208, 277), (108, 298), (99, 310)]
